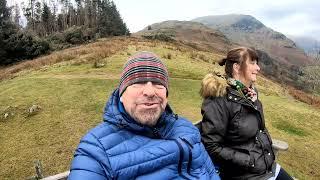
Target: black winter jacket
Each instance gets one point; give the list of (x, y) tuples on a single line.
[(234, 134)]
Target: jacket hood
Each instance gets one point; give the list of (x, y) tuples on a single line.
[(213, 86), (113, 115)]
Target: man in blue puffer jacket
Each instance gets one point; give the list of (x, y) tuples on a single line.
[(141, 138)]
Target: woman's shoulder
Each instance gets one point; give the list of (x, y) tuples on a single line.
[(215, 100), (213, 86)]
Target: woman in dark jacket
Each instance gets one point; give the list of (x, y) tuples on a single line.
[(233, 127)]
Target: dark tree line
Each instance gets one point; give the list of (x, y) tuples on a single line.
[(55, 24)]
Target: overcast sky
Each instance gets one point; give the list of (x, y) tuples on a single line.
[(290, 17)]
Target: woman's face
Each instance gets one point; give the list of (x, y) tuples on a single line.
[(248, 74)]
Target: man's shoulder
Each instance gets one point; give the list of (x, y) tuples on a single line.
[(105, 135), (184, 121), (184, 127), (102, 130)]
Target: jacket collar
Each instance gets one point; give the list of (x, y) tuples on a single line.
[(235, 96)]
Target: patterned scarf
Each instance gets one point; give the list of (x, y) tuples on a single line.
[(247, 92)]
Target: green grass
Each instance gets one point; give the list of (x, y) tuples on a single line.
[(289, 128), (69, 108), (72, 96), (298, 124), (185, 99)]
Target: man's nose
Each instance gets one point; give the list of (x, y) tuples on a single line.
[(149, 89)]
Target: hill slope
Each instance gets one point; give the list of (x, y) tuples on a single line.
[(248, 31), (191, 33), (72, 94)]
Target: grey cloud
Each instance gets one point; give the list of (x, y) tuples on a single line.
[(311, 10)]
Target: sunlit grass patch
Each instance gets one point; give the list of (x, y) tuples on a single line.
[(289, 128)]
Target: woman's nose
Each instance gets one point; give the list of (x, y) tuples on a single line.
[(258, 67)]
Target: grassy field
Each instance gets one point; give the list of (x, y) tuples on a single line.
[(72, 93)]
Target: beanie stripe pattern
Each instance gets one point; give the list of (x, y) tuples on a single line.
[(143, 67)]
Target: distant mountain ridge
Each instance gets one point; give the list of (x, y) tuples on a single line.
[(191, 33), (248, 31)]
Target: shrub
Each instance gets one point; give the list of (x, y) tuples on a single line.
[(39, 47), (73, 35), (169, 56), (89, 34), (56, 38), (193, 55), (304, 97), (23, 45), (162, 36)]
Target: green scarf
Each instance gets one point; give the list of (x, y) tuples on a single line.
[(246, 92)]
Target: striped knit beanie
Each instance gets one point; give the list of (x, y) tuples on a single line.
[(143, 67)]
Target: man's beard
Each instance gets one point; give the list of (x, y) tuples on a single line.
[(150, 116)]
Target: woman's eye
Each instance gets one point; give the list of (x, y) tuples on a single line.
[(254, 62)]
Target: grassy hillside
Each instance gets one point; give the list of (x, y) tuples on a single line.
[(72, 93)]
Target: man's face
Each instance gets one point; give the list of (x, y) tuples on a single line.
[(145, 102)]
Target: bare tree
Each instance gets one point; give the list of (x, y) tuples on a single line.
[(53, 20), (16, 16), (316, 51), (312, 76)]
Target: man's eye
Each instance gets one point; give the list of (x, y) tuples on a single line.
[(160, 86), (137, 85)]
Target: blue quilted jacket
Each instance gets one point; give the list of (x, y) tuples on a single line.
[(120, 148)]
